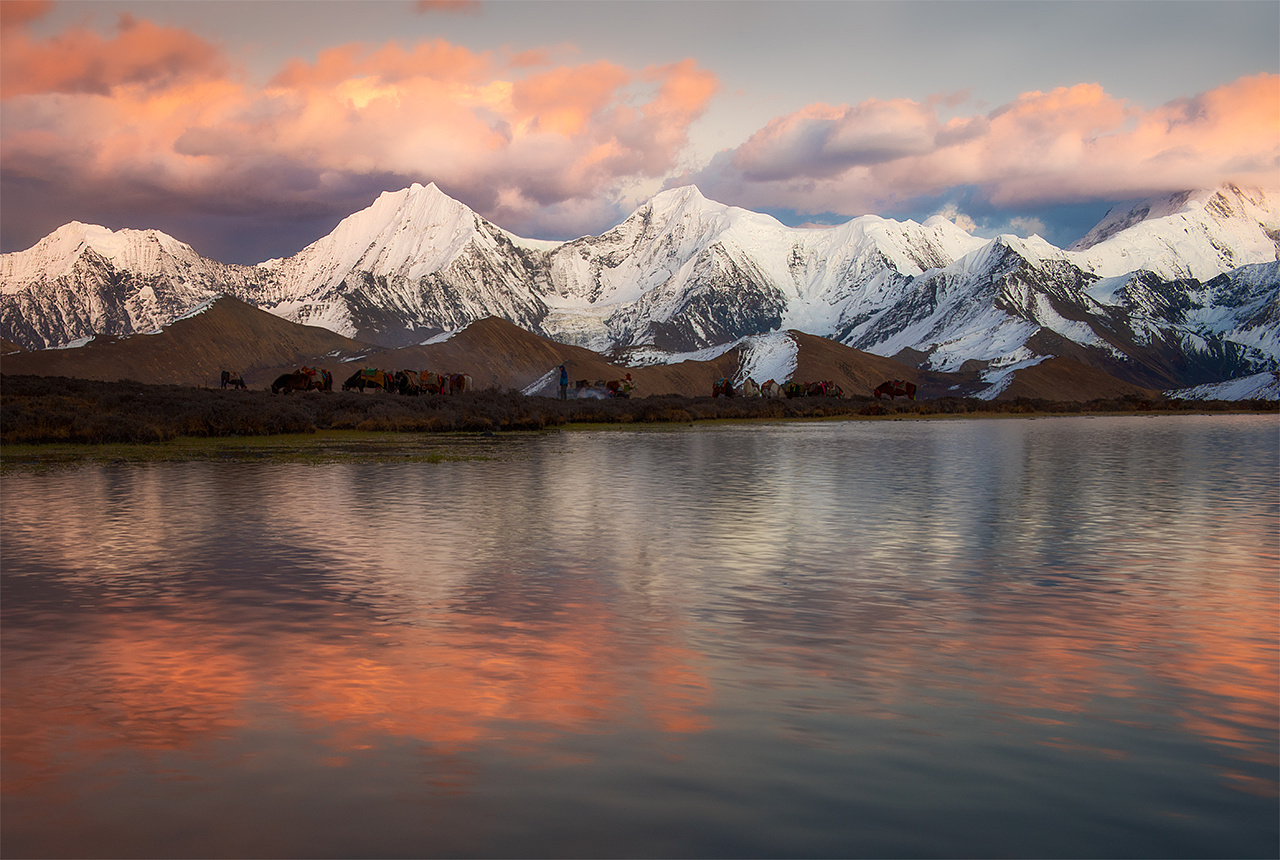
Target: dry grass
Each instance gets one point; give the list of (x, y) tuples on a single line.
[(37, 410)]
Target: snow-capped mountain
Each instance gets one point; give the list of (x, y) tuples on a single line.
[(1172, 292), (1198, 234), (683, 272), (413, 264), (83, 280)]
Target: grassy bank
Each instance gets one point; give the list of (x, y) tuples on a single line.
[(325, 446), (46, 410)]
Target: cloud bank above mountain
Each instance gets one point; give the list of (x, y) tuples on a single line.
[(1070, 144), (153, 124)]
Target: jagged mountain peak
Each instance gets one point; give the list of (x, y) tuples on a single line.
[(1225, 203), (1198, 234), (57, 254), (683, 272), (409, 232), (688, 204)]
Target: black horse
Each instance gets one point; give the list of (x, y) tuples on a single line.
[(233, 379), (370, 378)]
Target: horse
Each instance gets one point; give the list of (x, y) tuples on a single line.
[(455, 383), (722, 387), (430, 383), (303, 379), (287, 382), (408, 382), (826, 388), (370, 377), (771, 389), (795, 389), (895, 388), (750, 388), (235, 380), (320, 378)]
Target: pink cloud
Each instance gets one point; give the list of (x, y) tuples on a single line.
[(1070, 144), (437, 60), (157, 113), (461, 7), (18, 13), (79, 61), (564, 100)]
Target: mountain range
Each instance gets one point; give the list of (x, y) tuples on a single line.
[(1165, 294)]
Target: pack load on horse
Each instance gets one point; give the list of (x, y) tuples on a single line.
[(408, 382), (795, 389), (825, 388), (895, 388), (370, 377), (770, 388), (722, 387), (430, 383), (318, 378), (233, 379), (620, 387), (455, 383), (749, 388)]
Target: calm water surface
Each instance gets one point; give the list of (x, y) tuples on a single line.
[(1019, 638)]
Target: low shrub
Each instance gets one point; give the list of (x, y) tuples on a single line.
[(58, 409)]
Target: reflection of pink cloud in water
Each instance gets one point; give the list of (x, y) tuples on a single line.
[(151, 685), (1050, 663)]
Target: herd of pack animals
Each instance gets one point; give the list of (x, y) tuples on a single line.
[(724, 387), (414, 382)]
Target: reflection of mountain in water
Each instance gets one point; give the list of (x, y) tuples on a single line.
[(764, 636)]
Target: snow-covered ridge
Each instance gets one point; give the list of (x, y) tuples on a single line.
[(684, 275), (1259, 386), (56, 255), (418, 229), (1190, 235)]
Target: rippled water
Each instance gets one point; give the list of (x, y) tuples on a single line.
[(890, 639)]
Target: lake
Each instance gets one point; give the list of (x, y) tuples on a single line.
[(948, 638)]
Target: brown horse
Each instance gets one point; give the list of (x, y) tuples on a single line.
[(303, 379), (455, 383), (771, 389), (722, 387), (370, 377), (895, 388), (287, 382)]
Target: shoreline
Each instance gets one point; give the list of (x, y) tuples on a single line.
[(84, 414), (333, 446)]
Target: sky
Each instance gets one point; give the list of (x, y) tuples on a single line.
[(249, 129)]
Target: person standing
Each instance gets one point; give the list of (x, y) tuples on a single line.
[(564, 382)]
